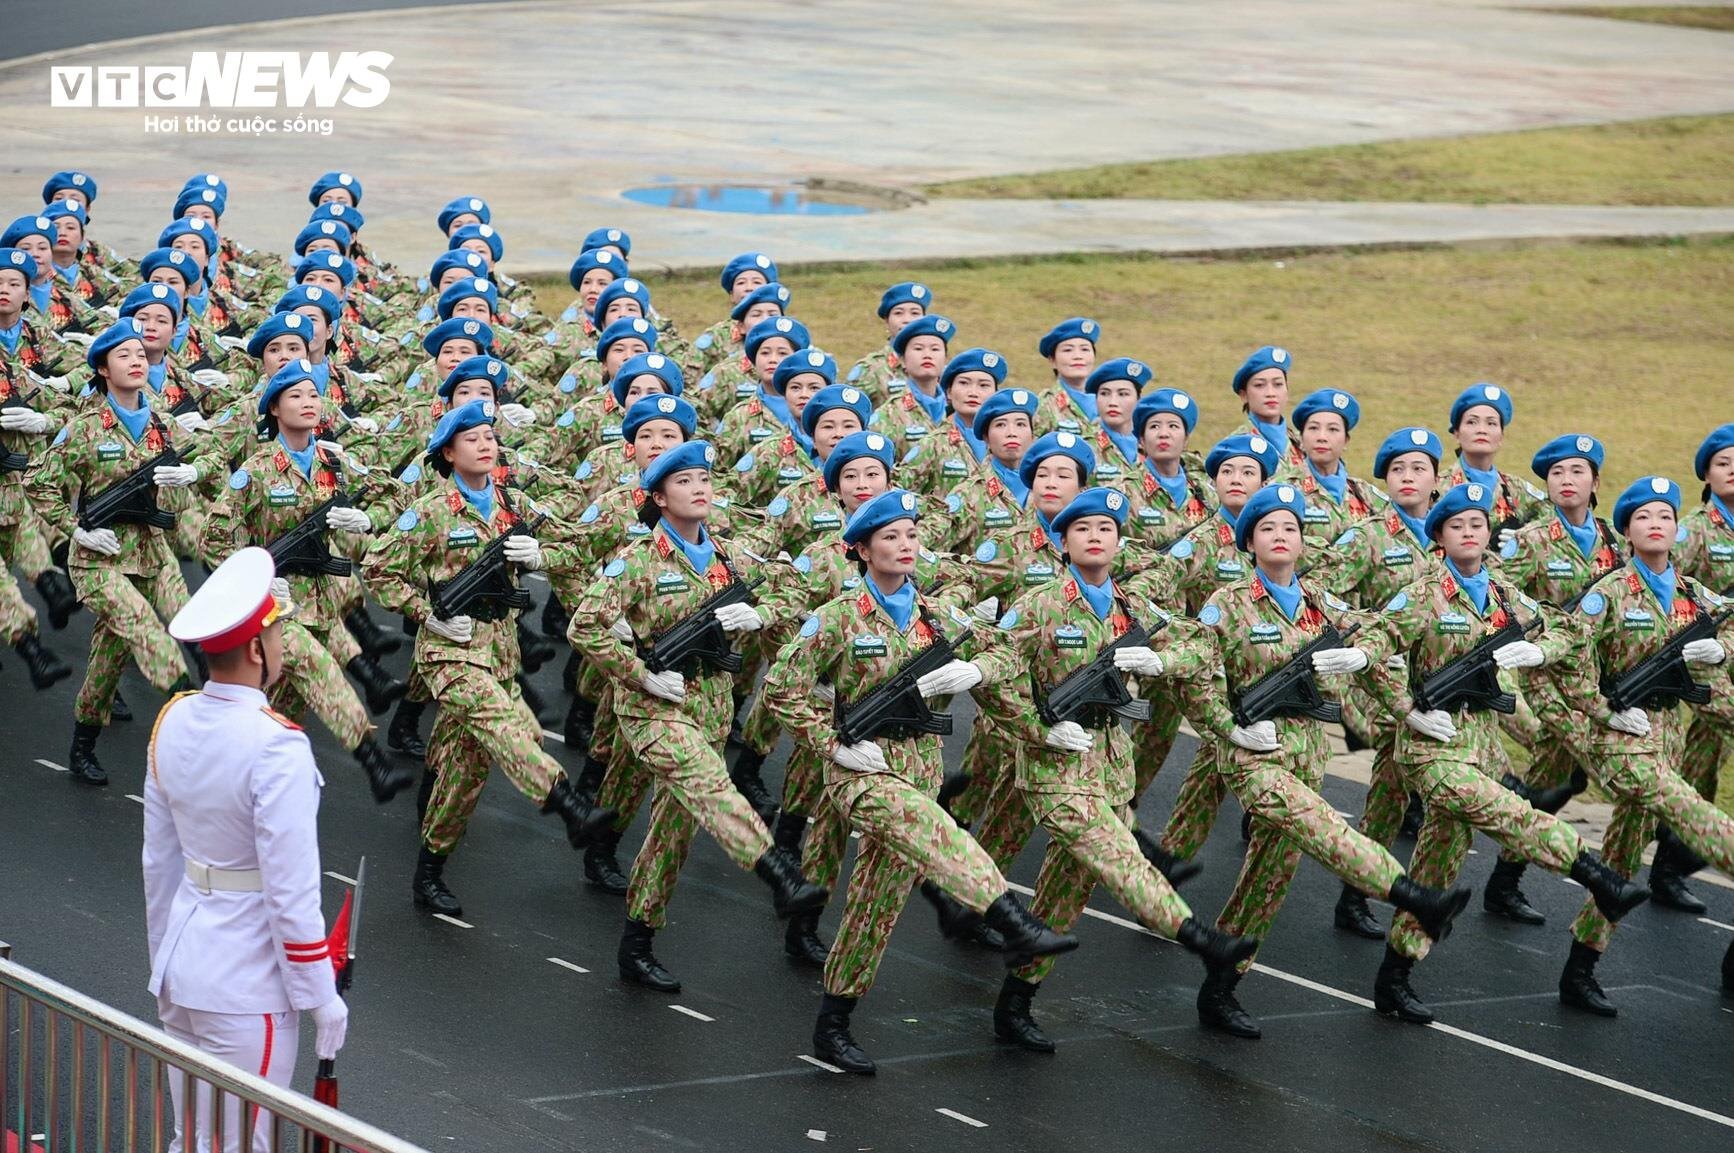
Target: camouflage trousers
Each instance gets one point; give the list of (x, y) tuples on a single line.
[(1091, 841), (1152, 742), (1387, 795), (482, 722), (17, 617), (1709, 743), (1461, 797), (990, 759), (824, 844), (130, 611), (692, 789), (905, 835), (1194, 814), (28, 549), (312, 679)]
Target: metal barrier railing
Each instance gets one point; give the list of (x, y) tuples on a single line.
[(83, 1076)]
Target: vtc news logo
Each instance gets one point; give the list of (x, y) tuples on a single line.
[(229, 80)]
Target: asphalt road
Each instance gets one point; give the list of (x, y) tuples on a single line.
[(488, 1038)]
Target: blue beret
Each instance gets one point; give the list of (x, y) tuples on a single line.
[(20, 261), (1135, 372), (626, 326), (855, 446), (323, 230), (1093, 502), (471, 263), (595, 258), (801, 362), (1003, 403), (1459, 498), (329, 262), (1270, 356), (1334, 400), (745, 262), (1057, 444), (467, 415), (31, 225), (1641, 492), (1243, 444), (342, 213), (1072, 328), (458, 328), (70, 181), (786, 327), (332, 180), (648, 408), (489, 368), (190, 226), (486, 233), (625, 286), (973, 360), (208, 180), (836, 396), (1406, 440), (279, 324), (190, 267), (217, 201), (1170, 400), (471, 286), (607, 238), (70, 208), (151, 294), (1566, 448), (905, 292), (1261, 504), (464, 206), (1718, 440), (927, 325), (304, 295), (647, 364), (692, 454), (1490, 395), (772, 293), (886, 508), (283, 379), (111, 338)]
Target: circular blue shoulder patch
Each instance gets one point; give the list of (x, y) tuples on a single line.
[(568, 383), (408, 520), (745, 463), (1593, 605), (1181, 549), (707, 381), (590, 514), (705, 340), (414, 381), (1347, 539), (987, 551), (615, 567), (1010, 620), (1397, 603), (584, 470), (810, 626), (565, 419), (239, 478), (953, 502), (1508, 547), (411, 474), (1209, 615), (803, 563), (394, 423), (777, 507), (1680, 534), (914, 451)]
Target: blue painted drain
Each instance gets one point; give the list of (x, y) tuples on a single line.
[(756, 200)]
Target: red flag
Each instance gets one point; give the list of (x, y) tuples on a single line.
[(338, 941)]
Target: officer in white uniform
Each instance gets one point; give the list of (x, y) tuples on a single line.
[(238, 946)]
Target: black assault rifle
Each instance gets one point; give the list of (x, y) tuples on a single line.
[(698, 641), (1472, 679), (303, 550), (1293, 689), (1663, 679), (16, 461), (896, 709), (130, 500), (1096, 693), (484, 590)]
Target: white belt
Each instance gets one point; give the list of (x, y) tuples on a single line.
[(208, 880)]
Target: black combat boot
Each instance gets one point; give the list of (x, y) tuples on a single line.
[(787, 832), (533, 698), (384, 778), (1354, 916), (374, 641), (584, 822), (590, 778), (1544, 800), (1177, 871), (45, 668), (1392, 992), (951, 787), (1614, 895), (533, 650), (1503, 898), (580, 723), (832, 1043), (801, 940), (1219, 1009), (58, 594), (119, 710), (1414, 816), (1246, 825), (424, 794), (378, 687), (1578, 986), (745, 775), (81, 762), (1012, 1021), (602, 865), (1220, 952), (958, 922), (569, 675), (429, 886), (638, 964), (1674, 862), (1435, 909), (791, 893), (404, 735), (1026, 936), (554, 619)]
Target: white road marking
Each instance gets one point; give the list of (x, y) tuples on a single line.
[(1571, 882), (814, 1061), (815, 1134), (135, 797), (453, 921), (340, 877), (1718, 924), (693, 1013), (964, 1117), (1474, 852), (564, 964), (51, 765), (551, 735)]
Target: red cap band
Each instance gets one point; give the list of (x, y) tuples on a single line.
[(255, 624)]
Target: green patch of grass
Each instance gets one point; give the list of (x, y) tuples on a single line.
[(1681, 160), (1716, 17)]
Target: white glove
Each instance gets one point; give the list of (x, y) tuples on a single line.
[(331, 1025), (1138, 659), (458, 630), (192, 422), (1505, 535), (523, 549), (85, 339), (364, 424), (1633, 721), (1397, 663), (348, 520), (211, 378), (100, 540), (174, 475), (369, 377), (1435, 723), (742, 618), (26, 420), (622, 630), (1708, 651), (112, 311), (57, 383), (825, 694), (331, 446), (1519, 655), (862, 757), (233, 343), (1339, 661), (955, 677), (670, 686), (987, 610), (517, 415), (280, 593), (1069, 736), (1259, 737)]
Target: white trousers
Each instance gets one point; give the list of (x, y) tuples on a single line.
[(263, 1044)]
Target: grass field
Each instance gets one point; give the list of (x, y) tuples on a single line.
[(1675, 160), (1715, 17)]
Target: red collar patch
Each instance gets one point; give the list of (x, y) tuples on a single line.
[(455, 500), (663, 547)]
